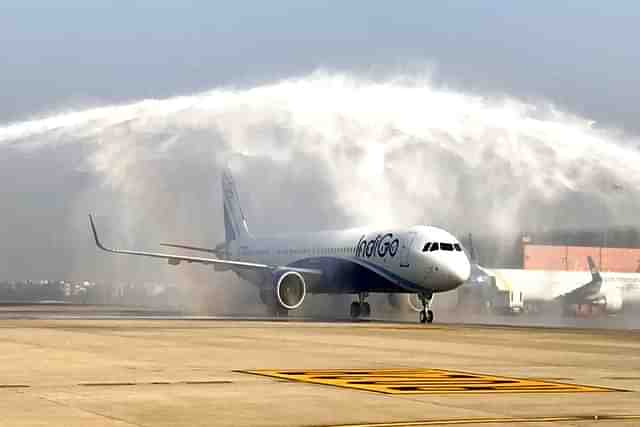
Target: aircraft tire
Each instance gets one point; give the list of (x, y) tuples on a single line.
[(429, 316), (365, 309), (423, 317), (355, 310)]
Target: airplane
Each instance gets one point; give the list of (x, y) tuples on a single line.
[(579, 293), (421, 260)]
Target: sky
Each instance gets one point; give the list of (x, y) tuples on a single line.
[(470, 115), (579, 54)]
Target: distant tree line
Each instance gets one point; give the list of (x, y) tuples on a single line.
[(149, 295)]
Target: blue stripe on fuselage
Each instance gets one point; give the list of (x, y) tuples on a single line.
[(345, 275)]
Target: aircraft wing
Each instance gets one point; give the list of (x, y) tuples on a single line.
[(587, 290), (215, 251), (177, 259)]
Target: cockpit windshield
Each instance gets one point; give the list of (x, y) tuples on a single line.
[(441, 246)]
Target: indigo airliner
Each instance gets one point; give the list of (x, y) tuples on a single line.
[(420, 260)]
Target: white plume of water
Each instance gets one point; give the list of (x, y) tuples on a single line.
[(334, 149)]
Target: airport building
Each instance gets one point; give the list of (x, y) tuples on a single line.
[(613, 249)]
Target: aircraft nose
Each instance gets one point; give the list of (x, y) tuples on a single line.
[(459, 270)]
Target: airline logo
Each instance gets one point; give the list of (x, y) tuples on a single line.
[(380, 246)]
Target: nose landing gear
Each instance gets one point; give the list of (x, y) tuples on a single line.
[(426, 315), (360, 308)]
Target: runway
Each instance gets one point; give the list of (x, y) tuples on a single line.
[(213, 372)]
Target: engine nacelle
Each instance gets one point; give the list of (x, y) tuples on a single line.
[(290, 289)]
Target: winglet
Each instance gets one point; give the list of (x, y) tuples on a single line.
[(95, 234), (595, 273)]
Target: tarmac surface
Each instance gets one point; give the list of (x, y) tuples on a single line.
[(195, 372)]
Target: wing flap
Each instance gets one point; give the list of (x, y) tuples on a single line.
[(217, 250)]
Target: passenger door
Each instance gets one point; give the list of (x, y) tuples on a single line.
[(405, 249)]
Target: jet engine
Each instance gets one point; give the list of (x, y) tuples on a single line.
[(290, 289)]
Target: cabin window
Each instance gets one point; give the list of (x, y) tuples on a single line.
[(434, 247), (446, 246), (426, 247)]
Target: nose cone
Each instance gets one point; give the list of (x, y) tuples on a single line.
[(459, 270)]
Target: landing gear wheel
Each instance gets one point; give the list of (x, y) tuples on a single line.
[(426, 314), (360, 307), (355, 310), (429, 316), (365, 309)]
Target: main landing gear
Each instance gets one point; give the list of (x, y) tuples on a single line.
[(360, 308), (426, 315)]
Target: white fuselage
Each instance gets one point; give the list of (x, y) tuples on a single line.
[(542, 285), (398, 253)]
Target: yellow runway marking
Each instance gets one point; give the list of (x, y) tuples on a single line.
[(497, 420), (424, 381), (188, 382)]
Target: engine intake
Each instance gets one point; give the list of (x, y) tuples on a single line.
[(291, 289)]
